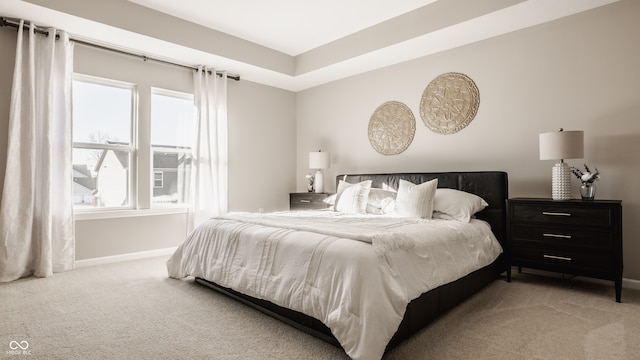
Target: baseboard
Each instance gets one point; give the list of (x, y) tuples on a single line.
[(631, 284), (626, 283), (124, 257)]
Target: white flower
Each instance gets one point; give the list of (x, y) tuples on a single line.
[(587, 177)]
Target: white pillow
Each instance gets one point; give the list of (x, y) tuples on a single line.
[(416, 200), (352, 198), (379, 200), (452, 204), (330, 200)]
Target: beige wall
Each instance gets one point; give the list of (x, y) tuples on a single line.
[(117, 236), (580, 73), (261, 148)]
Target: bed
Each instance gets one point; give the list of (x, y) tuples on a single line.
[(358, 279)]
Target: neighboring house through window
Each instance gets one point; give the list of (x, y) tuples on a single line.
[(172, 132), (103, 122)]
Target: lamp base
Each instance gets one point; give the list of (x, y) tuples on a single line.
[(318, 182), (561, 182)]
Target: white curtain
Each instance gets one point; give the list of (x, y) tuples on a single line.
[(36, 214), (209, 185)]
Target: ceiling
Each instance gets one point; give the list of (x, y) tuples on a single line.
[(291, 44), (289, 26)]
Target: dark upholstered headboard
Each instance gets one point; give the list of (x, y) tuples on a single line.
[(492, 186)]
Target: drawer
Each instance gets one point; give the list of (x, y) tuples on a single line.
[(573, 215), (580, 239), (308, 201), (558, 259)]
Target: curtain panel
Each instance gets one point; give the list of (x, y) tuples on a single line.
[(210, 155), (36, 214)]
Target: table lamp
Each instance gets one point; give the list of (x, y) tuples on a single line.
[(560, 145), (319, 160)]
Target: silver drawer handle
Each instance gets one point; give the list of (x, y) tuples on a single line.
[(556, 257), (557, 236), (555, 213), (305, 201)]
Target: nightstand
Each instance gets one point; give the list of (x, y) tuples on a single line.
[(576, 237), (308, 201)]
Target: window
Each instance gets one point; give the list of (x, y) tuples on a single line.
[(112, 141), (172, 128), (158, 177), (103, 144)]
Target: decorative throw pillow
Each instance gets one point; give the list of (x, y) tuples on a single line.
[(452, 204), (416, 200), (352, 198), (379, 200)]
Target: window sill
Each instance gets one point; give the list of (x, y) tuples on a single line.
[(126, 213)]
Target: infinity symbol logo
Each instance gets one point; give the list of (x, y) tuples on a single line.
[(23, 345)]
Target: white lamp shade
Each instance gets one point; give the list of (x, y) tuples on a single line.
[(319, 160), (560, 145)]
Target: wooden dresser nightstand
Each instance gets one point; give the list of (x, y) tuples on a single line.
[(308, 201), (569, 236)]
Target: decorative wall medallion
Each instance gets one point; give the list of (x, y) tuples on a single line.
[(449, 103), (391, 128)]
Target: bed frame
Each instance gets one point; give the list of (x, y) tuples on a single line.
[(492, 186)]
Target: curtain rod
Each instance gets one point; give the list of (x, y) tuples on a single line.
[(16, 24)]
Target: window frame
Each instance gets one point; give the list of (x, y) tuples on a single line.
[(131, 148), (140, 154), (167, 149)]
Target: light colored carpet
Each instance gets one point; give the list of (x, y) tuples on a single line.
[(131, 310)]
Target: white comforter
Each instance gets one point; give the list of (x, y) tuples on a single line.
[(355, 273)]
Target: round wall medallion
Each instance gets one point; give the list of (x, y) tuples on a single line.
[(449, 103), (391, 128)]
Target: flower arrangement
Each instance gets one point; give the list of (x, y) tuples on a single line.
[(310, 178), (587, 177)]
